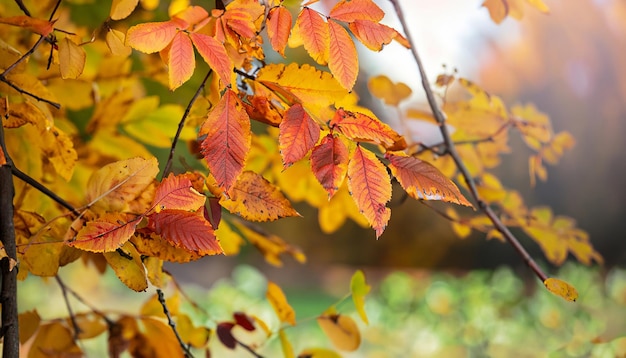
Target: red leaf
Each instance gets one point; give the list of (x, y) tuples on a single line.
[(359, 127), (224, 333), (177, 192), (225, 139), (38, 26), (421, 180), (370, 188), (351, 10), (343, 60), (244, 321), (152, 36), (329, 162), (181, 60), (298, 134), (315, 34), (214, 54), (278, 28), (105, 234), (186, 230), (372, 34)]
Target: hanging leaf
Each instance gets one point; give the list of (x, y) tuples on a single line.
[(152, 36), (421, 180), (278, 28), (128, 267), (341, 330), (181, 60), (187, 230), (121, 9), (105, 234), (214, 54), (29, 322), (277, 299), (177, 192), (71, 59), (318, 353), (561, 288), (154, 245), (362, 128), (343, 60), (315, 34), (370, 188), (298, 134), (225, 334), (391, 93), (285, 344), (115, 41), (329, 162), (195, 336), (58, 148), (54, 339), (271, 246), (254, 198), (359, 289), (351, 10), (225, 139), (38, 26)]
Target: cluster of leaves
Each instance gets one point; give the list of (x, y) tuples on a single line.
[(79, 120)]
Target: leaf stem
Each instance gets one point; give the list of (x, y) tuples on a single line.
[(181, 124), (172, 324), (451, 149)]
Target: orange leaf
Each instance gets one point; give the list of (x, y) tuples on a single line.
[(271, 246), (225, 139), (343, 60), (152, 36), (278, 28), (561, 288), (374, 35), (187, 230), (177, 192), (391, 93), (341, 330), (362, 128), (279, 302), (155, 246), (214, 54), (38, 26), (315, 34), (71, 59), (351, 10), (121, 9), (298, 134), (191, 15), (329, 162), (105, 234), (421, 180), (498, 9), (370, 188), (254, 198), (181, 60)]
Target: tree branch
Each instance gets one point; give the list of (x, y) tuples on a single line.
[(172, 324), (181, 124), (37, 185), (471, 184), (77, 329)]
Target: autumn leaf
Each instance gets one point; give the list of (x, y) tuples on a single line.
[(128, 267), (154, 245), (285, 344), (370, 188), (113, 186), (181, 60), (352, 10), (421, 180), (561, 288), (315, 34), (271, 246), (153, 36), (362, 128), (329, 163), (58, 148), (359, 288), (38, 26), (500, 9), (54, 338), (214, 54), (318, 353), (72, 59), (177, 192), (342, 58), (115, 41), (105, 234), (254, 198), (225, 139), (375, 35), (341, 330), (298, 134), (391, 93), (187, 230), (121, 9), (278, 28), (277, 299)]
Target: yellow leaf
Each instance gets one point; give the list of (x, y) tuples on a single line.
[(128, 268), (116, 41), (58, 148), (195, 336), (277, 299), (539, 5), (461, 229), (152, 307), (72, 59), (230, 240), (90, 325), (341, 330), (391, 93), (160, 337), (29, 322), (561, 288), (54, 339), (318, 353), (359, 289), (121, 9), (285, 344), (271, 246)]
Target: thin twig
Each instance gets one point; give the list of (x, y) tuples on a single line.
[(181, 124), (80, 299), (37, 185), (248, 348), (77, 330), (172, 324), (22, 7), (471, 184)]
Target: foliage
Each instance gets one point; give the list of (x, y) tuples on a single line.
[(82, 124)]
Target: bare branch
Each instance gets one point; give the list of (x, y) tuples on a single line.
[(77, 330), (172, 324), (451, 149)]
